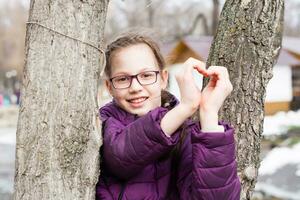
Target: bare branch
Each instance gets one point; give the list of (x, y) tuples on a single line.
[(202, 17)]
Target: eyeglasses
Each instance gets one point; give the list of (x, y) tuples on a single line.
[(144, 78)]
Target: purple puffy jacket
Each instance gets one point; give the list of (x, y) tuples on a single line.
[(137, 159)]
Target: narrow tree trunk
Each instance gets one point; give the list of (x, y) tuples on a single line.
[(215, 16), (150, 11), (247, 42), (57, 135)]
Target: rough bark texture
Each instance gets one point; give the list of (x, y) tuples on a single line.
[(57, 136), (247, 42)]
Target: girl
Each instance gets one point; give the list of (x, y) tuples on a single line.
[(151, 148)]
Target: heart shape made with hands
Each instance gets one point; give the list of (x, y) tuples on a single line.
[(201, 71), (206, 73)]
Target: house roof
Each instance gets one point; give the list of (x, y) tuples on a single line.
[(286, 58), (167, 47), (200, 45), (289, 54)]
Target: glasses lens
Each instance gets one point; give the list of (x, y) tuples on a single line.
[(121, 81), (146, 78)]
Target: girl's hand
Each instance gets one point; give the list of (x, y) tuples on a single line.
[(189, 92), (217, 89), (210, 99)]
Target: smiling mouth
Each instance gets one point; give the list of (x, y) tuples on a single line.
[(137, 100)]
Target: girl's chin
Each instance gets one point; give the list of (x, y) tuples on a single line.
[(139, 112)]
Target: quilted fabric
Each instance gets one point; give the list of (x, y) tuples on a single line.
[(137, 159)]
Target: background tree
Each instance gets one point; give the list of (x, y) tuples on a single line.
[(247, 42), (170, 19), (57, 135), (175, 19), (11, 43), (292, 19), (215, 16)]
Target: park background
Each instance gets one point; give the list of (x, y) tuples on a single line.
[(185, 29)]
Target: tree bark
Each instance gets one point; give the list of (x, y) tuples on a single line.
[(58, 135), (247, 42)]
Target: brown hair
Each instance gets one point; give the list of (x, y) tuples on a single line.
[(131, 38)]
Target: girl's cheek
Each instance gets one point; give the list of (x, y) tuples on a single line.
[(121, 95)]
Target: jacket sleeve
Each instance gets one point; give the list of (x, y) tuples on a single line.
[(128, 149), (207, 168)]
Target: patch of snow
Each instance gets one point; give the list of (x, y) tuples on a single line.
[(277, 192), (8, 136), (278, 124), (278, 158)]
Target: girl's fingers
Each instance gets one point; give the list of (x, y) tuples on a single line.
[(190, 63), (219, 71), (222, 76), (201, 70), (214, 75), (185, 74), (218, 75)]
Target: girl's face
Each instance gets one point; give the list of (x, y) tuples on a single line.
[(137, 99)]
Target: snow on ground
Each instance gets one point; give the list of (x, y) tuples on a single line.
[(279, 157), (279, 172), (8, 136), (8, 124), (277, 192), (9, 116), (278, 124)]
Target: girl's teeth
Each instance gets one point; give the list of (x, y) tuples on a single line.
[(138, 100)]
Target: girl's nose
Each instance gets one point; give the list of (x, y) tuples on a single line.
[(135, 85)]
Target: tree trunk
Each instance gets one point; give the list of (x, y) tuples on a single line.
[(58, 137), (215, 16), (150, 11), (247, 42)]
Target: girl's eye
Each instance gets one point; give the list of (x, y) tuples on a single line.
[(121, 79), (147, 75)]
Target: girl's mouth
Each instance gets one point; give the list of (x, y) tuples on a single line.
[(137, 102)]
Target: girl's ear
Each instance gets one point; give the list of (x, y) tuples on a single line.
[(164, 79), (108, 86)]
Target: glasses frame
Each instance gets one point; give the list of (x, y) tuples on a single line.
[(136, 77)]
